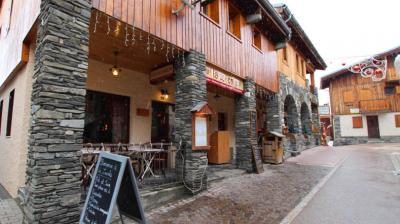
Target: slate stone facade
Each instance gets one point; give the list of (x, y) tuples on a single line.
[(191, 89), (297, 141), (245, 126), (52, 192)]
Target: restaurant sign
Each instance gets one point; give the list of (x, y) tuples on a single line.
[(224, 80)]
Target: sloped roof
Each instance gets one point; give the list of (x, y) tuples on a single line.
[(325, 80), (300, 37)]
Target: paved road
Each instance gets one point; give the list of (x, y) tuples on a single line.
[(363, 190)]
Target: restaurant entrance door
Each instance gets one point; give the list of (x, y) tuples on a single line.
[(107, 118), (162, 122)]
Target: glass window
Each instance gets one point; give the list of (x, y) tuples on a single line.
[(234, 21), (210, 8), (10, 112)]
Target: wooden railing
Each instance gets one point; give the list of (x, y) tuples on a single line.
[(374, 105)]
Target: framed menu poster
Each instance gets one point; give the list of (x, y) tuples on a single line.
[(200, 132)]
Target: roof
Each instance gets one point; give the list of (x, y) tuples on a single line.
[(271, 23), (300, 37), (329, 77)]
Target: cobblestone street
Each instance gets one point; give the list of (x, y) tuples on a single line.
[(9, 210), (264, 198)]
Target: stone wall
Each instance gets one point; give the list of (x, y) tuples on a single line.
[(245, 127), (191, 89), (52, 193), (297, 142)]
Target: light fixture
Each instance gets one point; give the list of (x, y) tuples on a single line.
[(164, 94), (115, 70)]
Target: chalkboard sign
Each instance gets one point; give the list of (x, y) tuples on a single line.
[(257, 160), (113, 178)]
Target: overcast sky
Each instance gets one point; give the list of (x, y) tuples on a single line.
[(344, 30)]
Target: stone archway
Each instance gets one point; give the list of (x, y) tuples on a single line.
[(305, 119), (291, 116)]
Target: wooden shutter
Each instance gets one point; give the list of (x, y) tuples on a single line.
[(397, 120), (357, 122), (365, 94), (348, 96)]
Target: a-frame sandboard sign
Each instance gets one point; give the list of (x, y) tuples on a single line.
[(113, 183)]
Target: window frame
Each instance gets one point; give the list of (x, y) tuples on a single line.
[(208, 5), (11, 99), (254, 44), (397, 120), (357, 122), (239, 15), (1, 113)]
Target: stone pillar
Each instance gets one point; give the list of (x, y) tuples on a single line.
[(52, 192), (191, 89), (245, 128), (274, 113)]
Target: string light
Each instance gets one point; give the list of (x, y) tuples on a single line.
[(97, 21), (154, 45), (126, 35), (148, 43), (133, 34), (167, 53), (108, 25), (371, 68)]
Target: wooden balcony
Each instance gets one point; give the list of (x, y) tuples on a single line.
[(367, 106)]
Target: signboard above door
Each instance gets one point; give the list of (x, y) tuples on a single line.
[(224, 80)]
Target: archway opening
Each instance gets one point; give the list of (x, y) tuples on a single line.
[(291, 116)]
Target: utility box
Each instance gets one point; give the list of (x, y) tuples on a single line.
[(272, 151)]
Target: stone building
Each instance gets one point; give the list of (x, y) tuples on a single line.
[(76, 72), (297, 99), (364, 100)]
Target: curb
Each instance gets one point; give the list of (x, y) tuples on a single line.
[(299, 207)]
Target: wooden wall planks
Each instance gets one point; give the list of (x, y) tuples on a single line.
[(24, 14), (192, 30), (362, 89)]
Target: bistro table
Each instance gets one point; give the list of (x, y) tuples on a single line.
[(147, 156)]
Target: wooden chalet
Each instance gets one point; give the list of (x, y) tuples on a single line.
[(365, 106)]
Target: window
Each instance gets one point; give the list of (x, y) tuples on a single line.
[(1, 113), (357, 122), (365, 94), (210, 8), (285, 54), (397, 120), (234, 21), (303, 68), (222, 122), (257, 38), (348, 96), (297, 63), (10, 112), (389, 90)]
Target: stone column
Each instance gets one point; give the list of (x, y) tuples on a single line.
[(274, 113), (52, 192), (191, 89), (245, 128)]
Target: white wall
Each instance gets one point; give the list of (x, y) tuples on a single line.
[(13, 149), (387, 125), (135, 85), (346, 126)]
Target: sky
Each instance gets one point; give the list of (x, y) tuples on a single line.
[(346, 31)]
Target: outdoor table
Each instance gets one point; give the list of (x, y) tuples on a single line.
[(147, 155), (88, 168)]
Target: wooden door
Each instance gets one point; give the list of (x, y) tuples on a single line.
[(373, 127)]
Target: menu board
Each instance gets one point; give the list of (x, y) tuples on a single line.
[(257, 160), (201, 131), (113, 178)]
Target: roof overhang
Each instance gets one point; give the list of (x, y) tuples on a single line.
[(300, 38)]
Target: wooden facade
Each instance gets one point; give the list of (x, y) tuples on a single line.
[(17, 18), (351, 91), (293, 64), (192, 29)]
